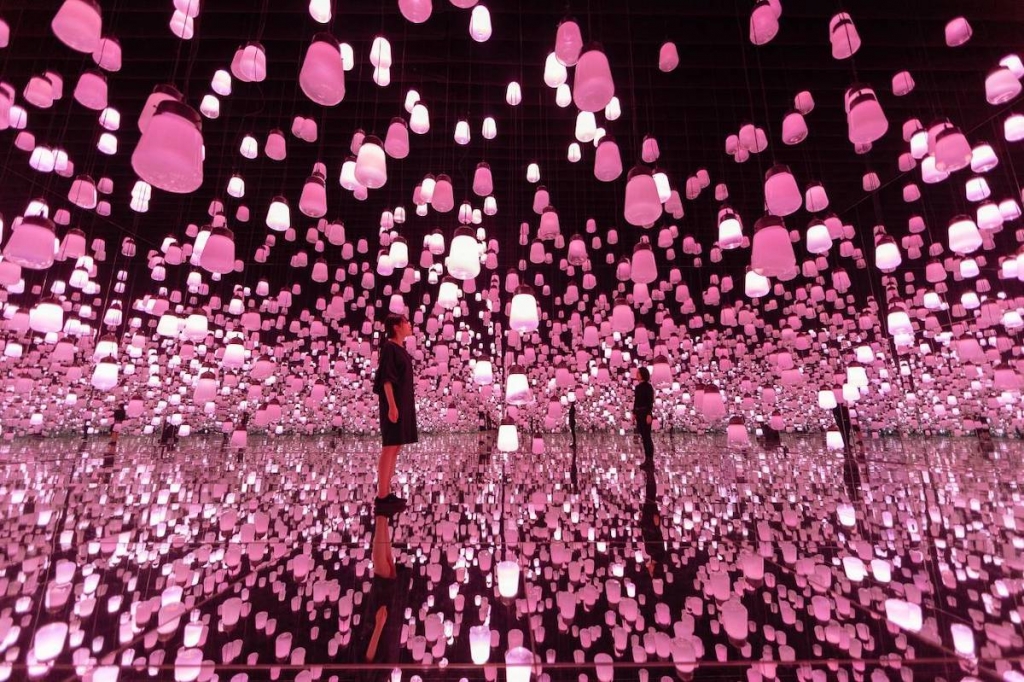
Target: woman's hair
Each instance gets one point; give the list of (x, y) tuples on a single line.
[(645, 374), (391, 323)]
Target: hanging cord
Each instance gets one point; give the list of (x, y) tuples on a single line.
[(750, 92), (634, 105)]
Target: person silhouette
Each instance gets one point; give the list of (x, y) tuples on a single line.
[(643, 408), (394, 387), (572, 422)]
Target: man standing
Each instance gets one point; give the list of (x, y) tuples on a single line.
[(643, 410)]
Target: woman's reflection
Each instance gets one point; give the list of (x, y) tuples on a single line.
[(385, 602)]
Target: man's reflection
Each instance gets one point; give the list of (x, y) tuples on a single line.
[(381, 624), (650, 523), (108, 461), (485, 446), (574, 472)]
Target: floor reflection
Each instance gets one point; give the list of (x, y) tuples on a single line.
[(129, 561)]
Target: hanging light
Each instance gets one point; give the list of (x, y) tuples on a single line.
[(816, 198), (480, 643), (480, 24), (989, 216), (898, 321), (483, 181), (958, 32), (964, 236), (771, 253), (276, 147), (844, 36), (977, 189), (555, 73), (380, 52), (279, 214), (196, 326), (983, 158), (219, 252), (574, 154), (834, 438), (952, 150), (419, 119), (443, 196), (32, 244), (169, 155), (523, 315), (463, 262), (416, 11), (781, 193), (568, 42), (46, 317), (78, 24), (764, 23), (513, 94), (384, 266), (1001, 86), (348, 57), (371, 164), (517, 387), (623, 317), (563, 96), (887, 254), (105, 375), (866, 121), (644, 266), (730, 229), (347, 179), (313, 200), (462, 135), (508, 571), (794, 128), (607, 160), (221, 83), (819, 240), (489, 129), (712, 405), (1010, 209), (399, 252), (593, 86), (236, 186), (756, 285), (668, 59), (586, 126), (736, 433), (642, 204), (434, 243), (448, 293), (382, 76), (322, 75), (1013, 128)]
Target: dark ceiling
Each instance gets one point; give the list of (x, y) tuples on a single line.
[(722, 82)]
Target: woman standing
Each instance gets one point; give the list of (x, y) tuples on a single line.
[(394, 388), (643, 409)]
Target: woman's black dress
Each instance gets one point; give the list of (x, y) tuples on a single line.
[(395, 366)]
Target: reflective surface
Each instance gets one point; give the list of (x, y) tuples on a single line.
[(900, 562)]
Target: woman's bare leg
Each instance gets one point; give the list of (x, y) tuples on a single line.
[(386, 468)]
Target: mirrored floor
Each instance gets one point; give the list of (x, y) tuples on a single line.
[(904, 561)]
